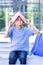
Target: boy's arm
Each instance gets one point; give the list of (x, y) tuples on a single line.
[(7, 30), (36, 31)]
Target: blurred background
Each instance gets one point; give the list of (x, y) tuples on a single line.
[(31, 9)]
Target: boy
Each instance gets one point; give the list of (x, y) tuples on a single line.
[(19, 38)]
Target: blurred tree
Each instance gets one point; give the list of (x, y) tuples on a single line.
[(2, 20)]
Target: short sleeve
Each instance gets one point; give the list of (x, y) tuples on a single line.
[(29, 31), (10, 33)]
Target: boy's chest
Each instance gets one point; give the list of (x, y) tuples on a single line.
[(18, 33)]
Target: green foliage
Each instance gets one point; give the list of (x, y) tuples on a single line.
[(2, 20), (25, 25)]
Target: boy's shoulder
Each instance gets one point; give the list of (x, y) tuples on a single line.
[(26, 28), (12, 27)]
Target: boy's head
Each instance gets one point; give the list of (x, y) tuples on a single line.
[(18, 16), (18, 21)]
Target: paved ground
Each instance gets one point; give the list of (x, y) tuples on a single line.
[(33, 60)]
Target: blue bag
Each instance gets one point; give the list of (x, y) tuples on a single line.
[(38, 45)]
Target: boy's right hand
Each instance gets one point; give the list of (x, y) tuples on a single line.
[(10, 23)]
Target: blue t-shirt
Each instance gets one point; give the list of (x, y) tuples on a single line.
[(20, 38)]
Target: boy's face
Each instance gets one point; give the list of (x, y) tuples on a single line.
[(18, 21)]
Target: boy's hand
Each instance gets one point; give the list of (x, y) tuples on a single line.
[(10, 23), (27, 22)]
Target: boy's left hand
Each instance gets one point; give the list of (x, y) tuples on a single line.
[(27, 22)]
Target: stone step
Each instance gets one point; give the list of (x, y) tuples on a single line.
[(5, 46), (4, 49)]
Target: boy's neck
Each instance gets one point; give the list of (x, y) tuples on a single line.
[(18, 27)]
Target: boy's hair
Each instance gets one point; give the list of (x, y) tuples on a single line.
[(19, 17)]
